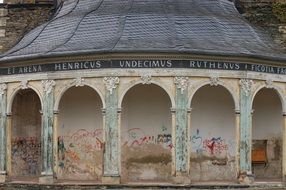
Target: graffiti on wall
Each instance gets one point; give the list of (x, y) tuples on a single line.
[(137, 137), (215, 145), (26, 156), (80, 154), (211, 145)]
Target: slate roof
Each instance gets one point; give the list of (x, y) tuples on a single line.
[(207, 27)]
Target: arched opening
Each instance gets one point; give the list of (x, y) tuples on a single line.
[(212, 140), (26, 135), (80, 132), (146, 139), (267, 123)]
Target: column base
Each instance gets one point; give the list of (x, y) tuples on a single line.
[(111, 180), (246, 178), (3, 178), (182, 178), (46, 179)]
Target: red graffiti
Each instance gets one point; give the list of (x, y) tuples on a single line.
[(215, 145), (136, 137)]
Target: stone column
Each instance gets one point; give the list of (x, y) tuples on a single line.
[(9, 144), (111, 171), (181, 134), (173, 113), (284, 148), (47, 132), (55, 143), (188, 140), (237, 136), (3, 105), (246, 176)]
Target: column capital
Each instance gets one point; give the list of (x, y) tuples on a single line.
[(189, 110), (119, 110), (173, 110), (56, 111), (237, 112), (284, 114), (103, 110), (9, 114)]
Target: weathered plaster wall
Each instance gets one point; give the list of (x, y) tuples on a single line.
[(146, 134), (212, 140), (26, 134), (80, 135), (267, 125)]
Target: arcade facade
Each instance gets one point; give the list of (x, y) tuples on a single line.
[(114, 125)]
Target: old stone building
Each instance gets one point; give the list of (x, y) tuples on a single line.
[(143, 91)]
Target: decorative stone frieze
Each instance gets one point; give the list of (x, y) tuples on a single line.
[(269, 83), (214, 80), (181, 83), (24, 84), (78, 81), (111, 83), (146, 79), (246, 85), (48, 85)]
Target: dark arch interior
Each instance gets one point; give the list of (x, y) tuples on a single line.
[(267, 122), (146, 134), (80, 148), (213, 144), (26, 134)]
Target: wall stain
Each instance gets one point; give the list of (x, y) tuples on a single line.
[(158, 159)]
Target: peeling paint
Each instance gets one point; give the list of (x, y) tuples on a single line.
[(3, 117), (181, 143)]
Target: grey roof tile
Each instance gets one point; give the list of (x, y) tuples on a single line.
[(190, 26)]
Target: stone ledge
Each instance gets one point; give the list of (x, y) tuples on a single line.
[(111, 180), (182, 178), (3, 178), (47, 179)]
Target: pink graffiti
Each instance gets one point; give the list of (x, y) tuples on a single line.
[(84, 137), (78, 153), (215, 145)]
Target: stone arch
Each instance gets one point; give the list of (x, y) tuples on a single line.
[(212, 133), (268, 105), (277, 90), (219, 83), (25, 155), (137, 82), (146, 132), (80, 124), (15, 92), (72, 84)]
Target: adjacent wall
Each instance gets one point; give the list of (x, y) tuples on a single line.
[(26, 134), (146, 134), (212, 140), (80, 135)]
